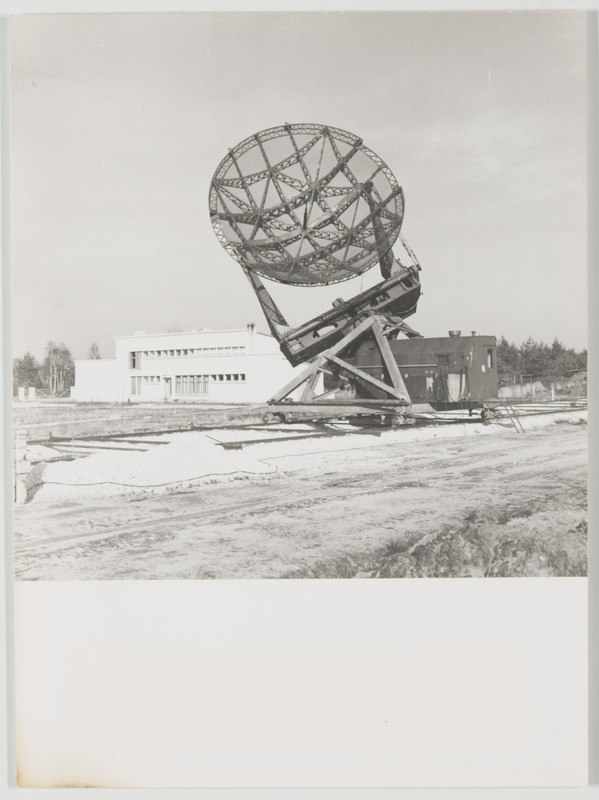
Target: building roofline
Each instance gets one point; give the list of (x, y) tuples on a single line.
[(186, 333)]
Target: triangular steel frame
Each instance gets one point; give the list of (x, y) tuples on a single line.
[(372, 325)]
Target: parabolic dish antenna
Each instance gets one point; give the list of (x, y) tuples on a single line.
[(305, 204)]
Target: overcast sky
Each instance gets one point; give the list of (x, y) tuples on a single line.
[(119, 121)]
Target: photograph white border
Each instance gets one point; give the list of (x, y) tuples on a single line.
[(26, 7)]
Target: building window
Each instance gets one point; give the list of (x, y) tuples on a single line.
[(134, 360), (227, 377), (191, 384), (490, 358), (136, 384)]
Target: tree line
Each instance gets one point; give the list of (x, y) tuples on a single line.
[(54, 375), (538, 361)]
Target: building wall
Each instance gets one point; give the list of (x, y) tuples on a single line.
[(448, 369), (235, 366), (469, 363), (96, 381)]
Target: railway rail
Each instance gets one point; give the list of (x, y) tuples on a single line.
[(499, 411)]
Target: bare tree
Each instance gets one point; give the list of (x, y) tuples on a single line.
[(58, 370), (94, 351)]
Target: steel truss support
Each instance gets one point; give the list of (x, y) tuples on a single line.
[(331, 360), (392, 300), (276, 321)]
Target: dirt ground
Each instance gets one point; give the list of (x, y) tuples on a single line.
[(502, 504), (43, 419)]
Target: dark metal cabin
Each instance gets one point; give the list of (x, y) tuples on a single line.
[(446, 372)]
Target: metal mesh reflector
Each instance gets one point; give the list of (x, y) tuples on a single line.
[(305, 204)]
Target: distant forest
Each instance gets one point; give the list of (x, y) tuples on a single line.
[(536, 361)]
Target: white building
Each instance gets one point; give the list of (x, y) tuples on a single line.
[(235, 366)]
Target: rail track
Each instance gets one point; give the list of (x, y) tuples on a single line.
[(72, 446)]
